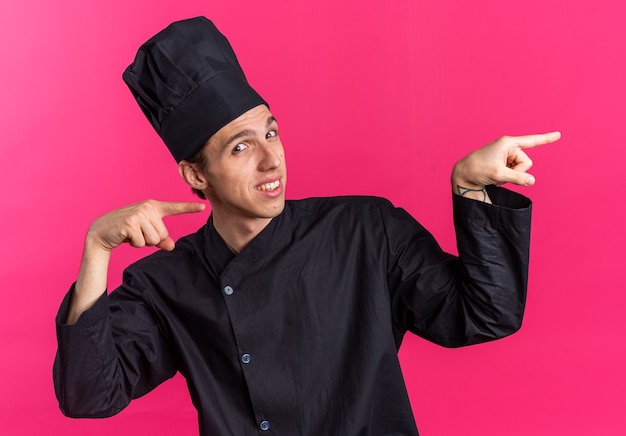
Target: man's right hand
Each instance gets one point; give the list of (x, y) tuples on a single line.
[(140, 224)]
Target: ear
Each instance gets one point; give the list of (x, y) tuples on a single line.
[(192, 175)]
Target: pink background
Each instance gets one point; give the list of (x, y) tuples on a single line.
[(373, 98)]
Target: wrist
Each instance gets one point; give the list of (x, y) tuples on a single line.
[(94, 248), (465, 188)]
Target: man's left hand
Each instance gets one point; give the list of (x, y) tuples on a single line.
[(502, 161)]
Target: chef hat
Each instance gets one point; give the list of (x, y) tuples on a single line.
[(189, 84)]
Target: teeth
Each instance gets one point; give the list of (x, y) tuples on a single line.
[(269, 186)]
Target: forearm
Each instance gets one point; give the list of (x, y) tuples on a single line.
[(108, 356), (485, 298), (86, 372), (91, 281), (493, 245), (112, 354), (476, 297)]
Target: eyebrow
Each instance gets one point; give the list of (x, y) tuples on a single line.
[(246, 132)]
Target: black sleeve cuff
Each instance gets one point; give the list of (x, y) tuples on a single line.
[(86, 320)]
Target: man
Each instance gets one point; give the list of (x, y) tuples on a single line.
[(285, 317)]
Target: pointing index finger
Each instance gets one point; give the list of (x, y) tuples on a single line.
[(167, 208), (529, 141)]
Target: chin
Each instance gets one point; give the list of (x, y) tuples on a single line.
[(277, 209)]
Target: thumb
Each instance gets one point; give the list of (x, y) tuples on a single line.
[(517, 177), (167, 244)]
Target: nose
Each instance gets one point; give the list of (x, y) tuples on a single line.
[(271, 156)]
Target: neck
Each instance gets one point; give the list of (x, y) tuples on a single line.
[(237, 235)]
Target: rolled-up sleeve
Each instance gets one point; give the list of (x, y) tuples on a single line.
[(112, 354), (476, 297)]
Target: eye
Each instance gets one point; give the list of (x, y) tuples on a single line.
[(239, 147), (271, 134)]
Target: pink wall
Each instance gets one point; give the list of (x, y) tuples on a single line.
[(373, 98)]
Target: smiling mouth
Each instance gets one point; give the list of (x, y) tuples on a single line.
[(268, 186)]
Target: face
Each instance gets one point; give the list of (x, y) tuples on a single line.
[(245, 174)]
